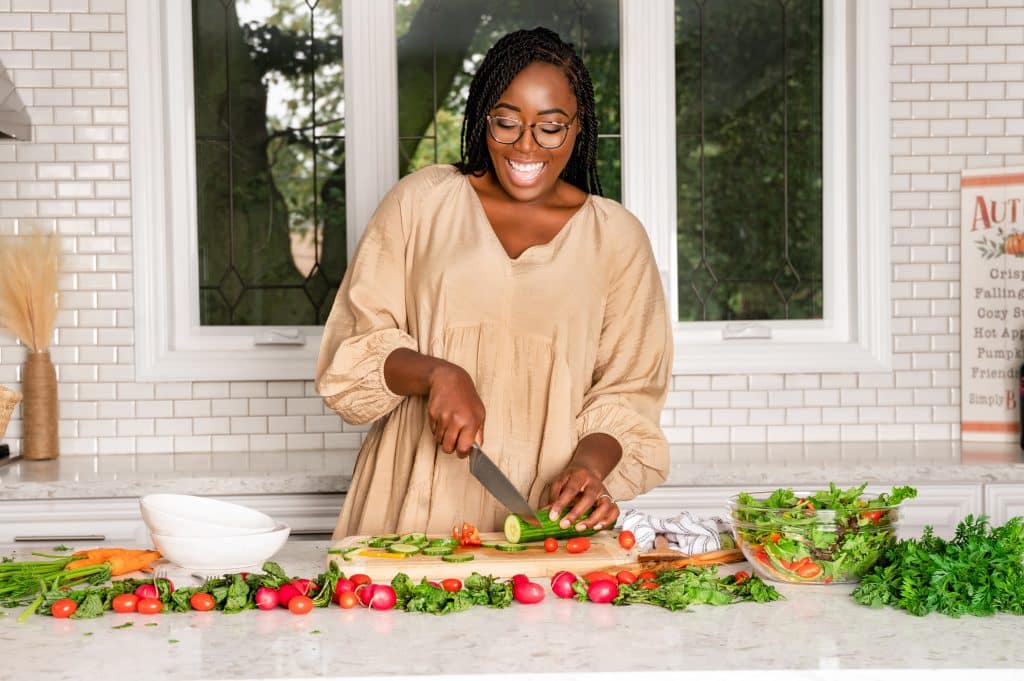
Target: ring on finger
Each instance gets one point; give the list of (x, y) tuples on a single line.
[(607, 496)]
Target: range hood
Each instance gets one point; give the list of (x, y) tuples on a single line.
[(14, 121)]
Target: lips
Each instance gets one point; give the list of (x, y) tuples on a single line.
[(524, 174)]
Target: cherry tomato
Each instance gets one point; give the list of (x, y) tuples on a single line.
[(577, 545), (63, 608), (650, 586), (452, 585), (741, 576), (625, 577), (150, 606), (774, 537), (348, 599), (550, 544), (874, 516), (808, 570), (647, 576), (627, 539), (597, 576), (125, 603), (300, 605), (201, 602), (359, 579)]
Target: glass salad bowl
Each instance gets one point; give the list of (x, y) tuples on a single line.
[(829, 537)]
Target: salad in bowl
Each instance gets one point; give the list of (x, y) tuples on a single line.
[(825, 537)]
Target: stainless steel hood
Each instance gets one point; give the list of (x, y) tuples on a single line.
[(14, 121)]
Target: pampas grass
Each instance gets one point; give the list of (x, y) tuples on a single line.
[(29, 267)]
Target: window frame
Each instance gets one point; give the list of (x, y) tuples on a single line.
[(170, 343), (855, 332)]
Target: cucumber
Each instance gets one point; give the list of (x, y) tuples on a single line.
[(414, 538), (380, 543), (510, 547), (489, 545), (349, 552), (518, 531), (404, 549), (438, 551), (443, 541), (458, 558), (389, 537)]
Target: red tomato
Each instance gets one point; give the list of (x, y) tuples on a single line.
[(775, 537), (300, 605), (452, 585), (808, 570), (201, 602), (150, 606), (597, 576), (741, 576), (347, 599), (650, 586), (577, 545), (63, 608), (125, 603), (627, 539), (874, 516), (647, 576), (359, 579), (625, 577), (550, 544)]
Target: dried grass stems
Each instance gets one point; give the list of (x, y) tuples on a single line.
[(29, 269)]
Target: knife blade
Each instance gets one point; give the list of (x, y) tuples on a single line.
[(498, 484)]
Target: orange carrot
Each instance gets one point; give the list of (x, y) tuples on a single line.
[(99, 553), (125, 563), (85, 562)]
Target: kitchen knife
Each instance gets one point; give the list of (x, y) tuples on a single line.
[(498, 484)]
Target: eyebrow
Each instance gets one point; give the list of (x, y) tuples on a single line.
[(506, 105)]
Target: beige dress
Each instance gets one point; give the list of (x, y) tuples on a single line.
[(568, 339)]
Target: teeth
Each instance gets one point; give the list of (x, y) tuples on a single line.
[(530, 168)]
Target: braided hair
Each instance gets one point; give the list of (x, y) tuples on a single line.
[(502, 63)]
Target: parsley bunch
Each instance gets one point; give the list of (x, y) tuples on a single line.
[(979, 573), (682, 587)]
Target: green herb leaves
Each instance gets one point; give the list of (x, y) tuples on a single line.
[(424, 597), (683, 587), (979, 573)]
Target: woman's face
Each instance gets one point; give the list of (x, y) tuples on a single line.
[(538, 94)]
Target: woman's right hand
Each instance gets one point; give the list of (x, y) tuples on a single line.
[(455, 409)]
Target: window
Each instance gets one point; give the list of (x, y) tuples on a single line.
[(768, 313)]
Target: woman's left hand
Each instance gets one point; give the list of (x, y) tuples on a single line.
[(586, 487)]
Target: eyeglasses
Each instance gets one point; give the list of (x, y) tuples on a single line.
[(547, 134)]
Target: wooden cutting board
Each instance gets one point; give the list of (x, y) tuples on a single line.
[(534, 561)]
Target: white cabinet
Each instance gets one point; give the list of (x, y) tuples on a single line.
[(1003, 502), (82, 520), (940, 505)]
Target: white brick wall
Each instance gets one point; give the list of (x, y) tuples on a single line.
[(957, 101)]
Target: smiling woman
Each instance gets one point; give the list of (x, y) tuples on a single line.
[(504, 290)]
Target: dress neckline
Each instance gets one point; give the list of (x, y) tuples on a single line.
[(493, 235)]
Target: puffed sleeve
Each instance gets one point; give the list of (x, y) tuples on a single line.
[(631, 375), (367, 322)]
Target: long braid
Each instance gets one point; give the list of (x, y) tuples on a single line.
[(502, 63)]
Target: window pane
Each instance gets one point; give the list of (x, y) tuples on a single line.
[(270, 166), (749, 159), (440, 44)]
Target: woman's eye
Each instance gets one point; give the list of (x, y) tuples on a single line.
[(506, 124), (551, 129)]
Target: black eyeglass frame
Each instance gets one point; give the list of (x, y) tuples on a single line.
[(533, 130)]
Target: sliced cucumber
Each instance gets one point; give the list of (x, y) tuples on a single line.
[(348, 553), (380, 543), (510, 547), (458, 558), (404, 549), (337, 551), (438, 551), (489, 545), (443, 541), (413, 538)]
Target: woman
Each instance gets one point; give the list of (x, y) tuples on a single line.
[(502, 301)]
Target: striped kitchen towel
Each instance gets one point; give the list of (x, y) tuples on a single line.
[(685, 532)]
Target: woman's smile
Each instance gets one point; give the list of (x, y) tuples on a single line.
[(523, 174)]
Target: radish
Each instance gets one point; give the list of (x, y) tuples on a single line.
[(519, 579), (147, 591), (528, 592), (304, 586), (561, 584), (382, 597), (343, 586), (286, 593), (602, 591), (434, 584), (266, 598), (365, 593)]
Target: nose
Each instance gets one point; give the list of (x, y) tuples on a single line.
[(526, 143)]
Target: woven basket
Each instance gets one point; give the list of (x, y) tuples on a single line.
[(9, 399)]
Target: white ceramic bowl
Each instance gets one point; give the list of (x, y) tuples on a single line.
[(222, 554), (182, 515)]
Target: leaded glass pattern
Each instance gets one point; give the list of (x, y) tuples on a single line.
[(441, 42), (270, 166), (749, 159)]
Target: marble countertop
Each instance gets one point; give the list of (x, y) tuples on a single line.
[(329, 471), (814, 633)]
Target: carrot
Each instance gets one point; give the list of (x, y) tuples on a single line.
[(126, 563), (85, 562), (99, 553)]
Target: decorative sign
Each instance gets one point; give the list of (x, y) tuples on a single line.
[(991, 303)]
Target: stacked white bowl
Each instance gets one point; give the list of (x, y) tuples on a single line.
[(199, 533)]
